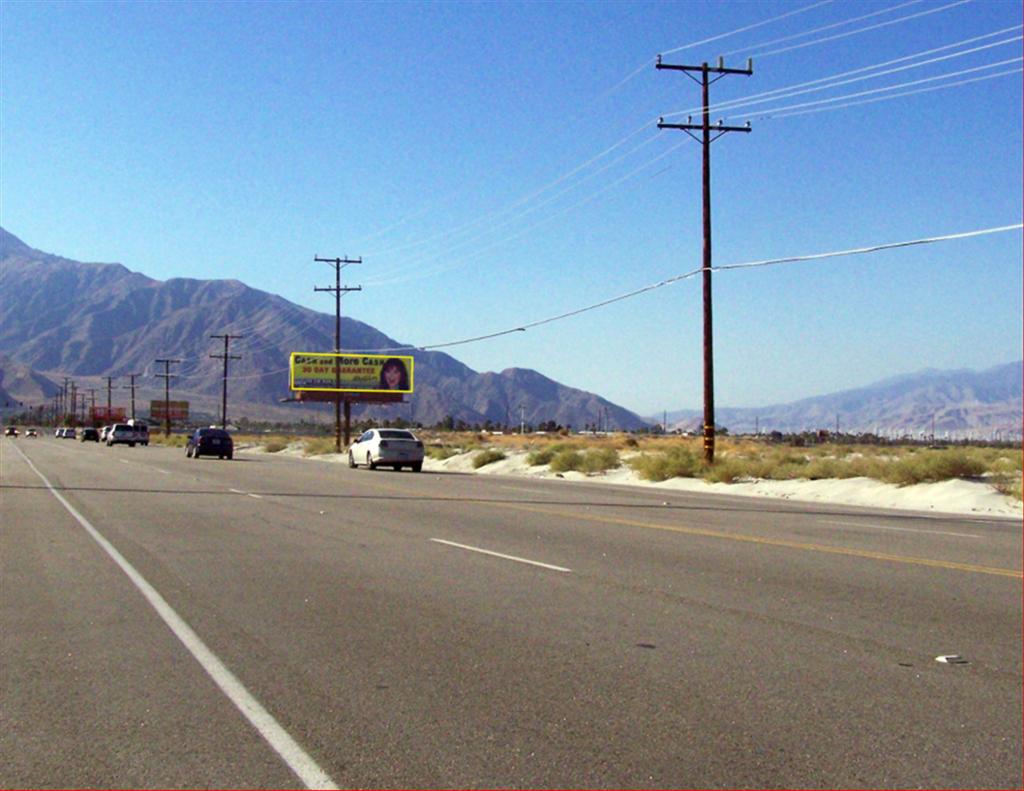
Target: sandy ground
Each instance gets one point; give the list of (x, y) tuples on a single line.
[(949, 497)]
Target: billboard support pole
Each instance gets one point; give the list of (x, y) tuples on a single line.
[(338, 289)]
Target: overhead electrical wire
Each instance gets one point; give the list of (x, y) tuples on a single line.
[(560, 179), (687, 275), (835, 80), (771, 111), (833, 26), (777, 115), (397, 273), (888, 23), (874, 248), (648, 63)]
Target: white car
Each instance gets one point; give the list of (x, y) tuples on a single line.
[(387, 447), (122, 434)]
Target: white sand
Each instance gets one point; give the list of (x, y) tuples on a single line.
[(949, 497), (952, 497)]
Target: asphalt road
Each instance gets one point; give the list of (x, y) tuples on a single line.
[(276, 622)]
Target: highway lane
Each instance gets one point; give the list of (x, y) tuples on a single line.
[(692, 641)]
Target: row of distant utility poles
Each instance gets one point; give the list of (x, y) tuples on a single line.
[(67, 402)]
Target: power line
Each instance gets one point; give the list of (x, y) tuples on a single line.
[(777, 115), (833, 26), (849, 33), (693, 273), (836, 80), (874, 91)]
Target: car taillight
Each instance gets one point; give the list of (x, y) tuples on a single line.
[(383, 443), (419, 444)]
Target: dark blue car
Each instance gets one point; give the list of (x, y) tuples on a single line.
[(210, 442)]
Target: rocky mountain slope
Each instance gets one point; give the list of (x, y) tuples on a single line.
[(955, 402), (60, 317)]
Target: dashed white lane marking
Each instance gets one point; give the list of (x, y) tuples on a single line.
[(297, 759), (900, 529), (248, 494), (500, 555), (147, 466)]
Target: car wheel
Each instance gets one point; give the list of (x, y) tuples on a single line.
[(351, 459), (230, 456), (188, 452), (417, 467), (369, 462), (195, 453)]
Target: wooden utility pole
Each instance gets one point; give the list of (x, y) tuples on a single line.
[(338, 290), (706, 139), (167, 376), (225, 357), (131, 386)]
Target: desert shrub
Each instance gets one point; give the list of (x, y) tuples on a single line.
[(729, 470), (590, 461), (440, 452), (600, 460), (676, 462), (1010, 485), (485, 457), (547, 453), (931, 466), (318, 446), (541, 456), (275, 445), (565, 460), (173, 441)]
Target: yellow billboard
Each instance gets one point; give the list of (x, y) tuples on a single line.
[(351, 373)]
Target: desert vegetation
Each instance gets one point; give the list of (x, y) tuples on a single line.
[(660, 458)]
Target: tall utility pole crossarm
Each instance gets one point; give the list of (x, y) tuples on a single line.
[(167, 376), (706, 139), (225, 357), (338, 290)]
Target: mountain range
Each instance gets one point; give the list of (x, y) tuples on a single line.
[(958, 403), (89, 321)]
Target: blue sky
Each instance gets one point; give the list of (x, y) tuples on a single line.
[(495, 164)]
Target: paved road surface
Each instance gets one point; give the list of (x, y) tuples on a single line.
[(274, 622)]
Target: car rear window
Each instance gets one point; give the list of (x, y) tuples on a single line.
[(214, 432), (394, 434)]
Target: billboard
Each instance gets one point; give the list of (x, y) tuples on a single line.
[(351, 373), (168, 410), (101, 414)]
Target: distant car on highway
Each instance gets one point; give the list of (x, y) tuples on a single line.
[(122, 434), (210, 442), (104, 433), (89, 435), (68, 433), (387, 447), (31, 433), (11, 431)]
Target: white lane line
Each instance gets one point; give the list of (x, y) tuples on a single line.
[(500, 555), (148, 467), (248, 494), (297, 759), (901, 529)]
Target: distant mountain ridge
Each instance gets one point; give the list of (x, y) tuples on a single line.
[(957, 402), (60, 317)]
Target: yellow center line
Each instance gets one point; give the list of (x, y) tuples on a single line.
[(773, 542), (779, 542)]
